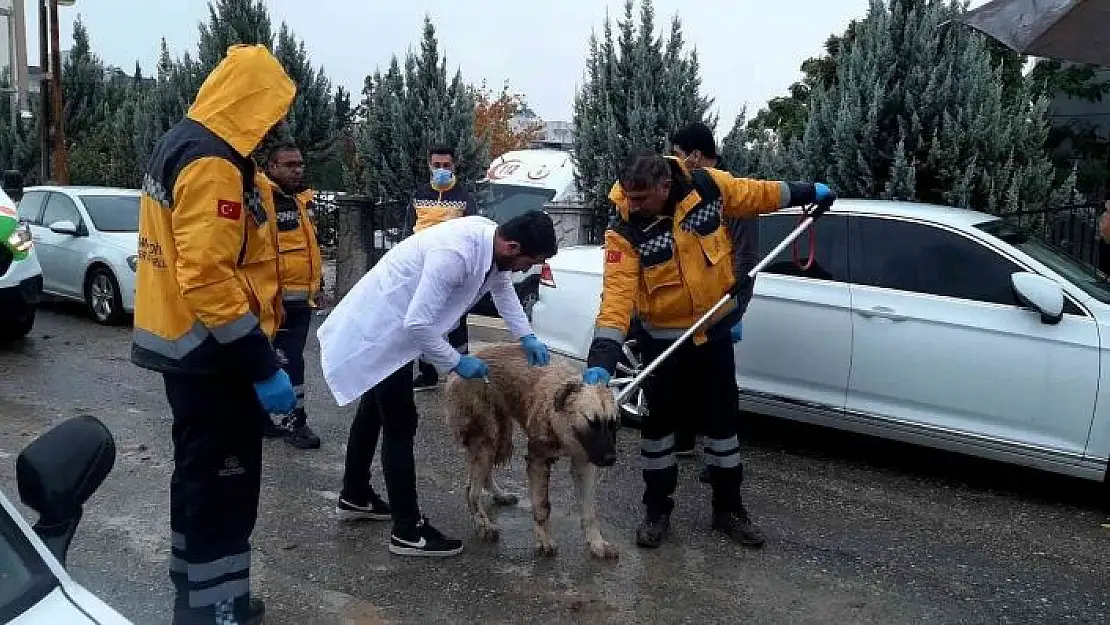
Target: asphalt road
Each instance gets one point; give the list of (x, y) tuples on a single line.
[(861, 531)]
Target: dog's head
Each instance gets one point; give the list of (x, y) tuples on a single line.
[(591, 412)]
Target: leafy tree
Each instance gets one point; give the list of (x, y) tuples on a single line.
[(501, 120)]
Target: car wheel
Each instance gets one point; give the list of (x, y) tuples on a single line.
[(634, 409), (102, 296), (18, 329)]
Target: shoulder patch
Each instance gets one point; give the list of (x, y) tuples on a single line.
[(229, 209), (613, 256)]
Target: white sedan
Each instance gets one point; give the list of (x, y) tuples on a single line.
[(926, 324), (87, 240)]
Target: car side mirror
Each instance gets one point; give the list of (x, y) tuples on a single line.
[(59, 471), (65, 226), (13, 184), (1041, 294)]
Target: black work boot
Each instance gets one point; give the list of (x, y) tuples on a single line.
[(738, 526), (271, 429), (299, 434), (653, 530)]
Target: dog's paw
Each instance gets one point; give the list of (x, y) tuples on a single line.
[(547, 549), (604, 550), (489, 533), (506, 499)]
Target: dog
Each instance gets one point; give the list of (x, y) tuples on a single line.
[(560, 417)]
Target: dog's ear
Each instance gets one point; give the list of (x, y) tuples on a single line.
[(563, 396)]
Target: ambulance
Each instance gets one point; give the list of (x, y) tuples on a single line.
[(20, 272), (517, 182)]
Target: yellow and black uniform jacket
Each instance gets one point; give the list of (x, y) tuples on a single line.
[(302, 267), (430, 207), (669, 270), (206, 290)]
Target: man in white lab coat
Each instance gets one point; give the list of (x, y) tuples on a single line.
[(403, 309)]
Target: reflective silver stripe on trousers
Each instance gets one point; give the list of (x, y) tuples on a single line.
[(177, 540), (612, 334), (730, 447), (649, 447), (227, 591), (178, 565), (294, 295), (226, 565)]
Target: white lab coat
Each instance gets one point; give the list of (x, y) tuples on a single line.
[(408, 302)]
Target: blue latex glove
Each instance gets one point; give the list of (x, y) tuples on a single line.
[(471, 368), (536, 351), (738, 332), (596, 375), (823, 192), (276, 393)]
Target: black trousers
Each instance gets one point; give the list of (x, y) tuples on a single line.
[(217, 455), (388, 408), (694, 388), (459, 338), (290, 341)]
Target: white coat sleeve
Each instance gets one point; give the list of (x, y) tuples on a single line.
[(508, 305), (443, 272)]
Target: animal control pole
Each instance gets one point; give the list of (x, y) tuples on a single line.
[(810, 216)]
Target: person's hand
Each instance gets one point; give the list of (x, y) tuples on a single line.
[(536, 351), (276, 393), (823, 193), (596, 375), (738, 332), (471, 368)]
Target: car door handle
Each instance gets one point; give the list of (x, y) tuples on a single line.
[(884, 312)]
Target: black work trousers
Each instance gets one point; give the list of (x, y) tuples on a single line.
[(217, 455), (694, 387), (290, 342), (388, 408), (459, 338)]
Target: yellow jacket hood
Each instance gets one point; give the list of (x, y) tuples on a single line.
[(244, 97)]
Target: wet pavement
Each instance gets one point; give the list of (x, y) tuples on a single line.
[(860, 531)]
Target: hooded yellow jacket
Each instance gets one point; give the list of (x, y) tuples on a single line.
[(206, 288), (670, 270), (302, 267)]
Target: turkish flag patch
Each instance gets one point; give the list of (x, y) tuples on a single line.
[(229, 210), (613, 256)]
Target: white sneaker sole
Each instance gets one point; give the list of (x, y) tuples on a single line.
[(358, 515), (417, 552)]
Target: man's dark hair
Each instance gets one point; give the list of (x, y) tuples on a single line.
[(284, 146), (644, 170), (442, 150), (695, 136), (534, 231)]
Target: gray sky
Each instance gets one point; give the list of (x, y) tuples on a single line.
[(750, 49)]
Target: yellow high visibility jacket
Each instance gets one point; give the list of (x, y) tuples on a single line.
[(206, 289), (671, 270), (302, 267)]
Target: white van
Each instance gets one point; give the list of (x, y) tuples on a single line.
[(517, 182)]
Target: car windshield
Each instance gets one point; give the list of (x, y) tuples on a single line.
[(113, 213), (24, 577), (502, 202), (1085, 276)]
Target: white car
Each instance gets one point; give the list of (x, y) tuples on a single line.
[(931, 325), (87, 240), (57, 473)]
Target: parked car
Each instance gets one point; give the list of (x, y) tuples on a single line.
[(87, 240), (57, 473), (926, 324), (20, 279)]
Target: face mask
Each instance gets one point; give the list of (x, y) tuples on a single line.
[(442, 179)]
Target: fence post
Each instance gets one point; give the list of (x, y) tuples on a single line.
[(350, 249)]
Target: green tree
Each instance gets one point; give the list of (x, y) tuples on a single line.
[(637, 91)]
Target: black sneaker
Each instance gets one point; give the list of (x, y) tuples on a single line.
[(374, 510), (423, 541), (739, 527), (271, 429), (653, 530), (302, 437)]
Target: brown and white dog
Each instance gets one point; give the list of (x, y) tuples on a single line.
[(560, 417)]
